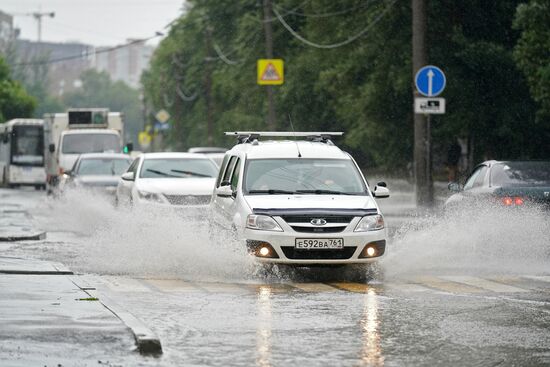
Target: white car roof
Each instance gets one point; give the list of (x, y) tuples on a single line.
[(165, 155), (105, 155), (89, 131), (289, 149)]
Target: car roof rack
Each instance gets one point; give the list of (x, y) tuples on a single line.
[(250, 136)]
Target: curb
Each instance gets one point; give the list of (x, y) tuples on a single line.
[(31, 237), (148, 343)]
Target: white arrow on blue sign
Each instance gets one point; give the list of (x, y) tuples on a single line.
[(430, 81)]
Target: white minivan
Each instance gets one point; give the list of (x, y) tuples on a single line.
[(301, 202)]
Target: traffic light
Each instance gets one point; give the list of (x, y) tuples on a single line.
[(128, 148)]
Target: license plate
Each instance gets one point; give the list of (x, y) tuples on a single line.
[(27, 169), (319, 243)]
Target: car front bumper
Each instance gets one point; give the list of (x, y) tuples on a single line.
[(283, 243)]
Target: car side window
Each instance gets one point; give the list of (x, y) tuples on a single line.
[(229, 170), (476, 178), (235, 177), (133, 166), (480, 179), (222, 170)]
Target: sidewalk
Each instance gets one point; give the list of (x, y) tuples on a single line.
[(46, 320)]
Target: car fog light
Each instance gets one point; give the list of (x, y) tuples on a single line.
[(261, 249), (264, 251), (371, 251)]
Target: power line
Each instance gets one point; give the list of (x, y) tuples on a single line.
[(323, 15), (334, 45)]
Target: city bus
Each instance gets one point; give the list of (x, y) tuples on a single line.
[(22, 151)]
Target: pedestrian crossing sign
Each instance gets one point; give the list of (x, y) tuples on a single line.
[(270, 72)]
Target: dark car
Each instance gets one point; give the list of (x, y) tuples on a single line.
[(99, 171), (505, 183)]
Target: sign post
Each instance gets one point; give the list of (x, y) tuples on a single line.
[(430, 81)]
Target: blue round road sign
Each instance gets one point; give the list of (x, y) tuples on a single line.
[(430, 81)]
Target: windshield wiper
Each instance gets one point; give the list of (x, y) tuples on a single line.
[(161, 173), (320, 192), (271, 192), (190, 173)]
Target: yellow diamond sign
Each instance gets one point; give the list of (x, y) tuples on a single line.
[(270, 72), (162, 116)]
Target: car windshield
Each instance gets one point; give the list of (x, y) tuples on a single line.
[(90, 143), (303, 176), (521, 173), (178, 168), (103, 166)]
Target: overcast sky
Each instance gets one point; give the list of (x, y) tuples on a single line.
[(96, 22)]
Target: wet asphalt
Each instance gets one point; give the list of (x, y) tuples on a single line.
[(444, 315)]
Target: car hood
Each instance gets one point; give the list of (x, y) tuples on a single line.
[(97, 180), (310, 202), (177, 186)]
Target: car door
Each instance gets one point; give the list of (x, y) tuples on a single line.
[(125, 187), (223, 207)]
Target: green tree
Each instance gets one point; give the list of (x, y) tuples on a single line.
[(362, 86), (533, 51), (14, 100)]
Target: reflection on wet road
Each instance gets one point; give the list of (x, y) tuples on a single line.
[(422, 320)]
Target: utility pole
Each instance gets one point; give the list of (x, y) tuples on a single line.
[(38, 16), (208, 87), (268, 18), (422, 149)]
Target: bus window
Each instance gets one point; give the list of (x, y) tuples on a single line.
[(27, 145)]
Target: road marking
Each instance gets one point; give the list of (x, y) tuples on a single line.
[(484, 284), (407, 287), (172, 285), (446, 286), (221, 287), (269, 288), (314, 287), (353, 287)]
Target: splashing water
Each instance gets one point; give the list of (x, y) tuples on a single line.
[(146, 241), (182, 243), (480, 239)]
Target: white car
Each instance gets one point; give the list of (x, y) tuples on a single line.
[(99, 172), (302, 202), (181, 179)]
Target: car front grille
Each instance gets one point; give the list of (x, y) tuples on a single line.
[(188, 199), (337, 254), (302, 223)]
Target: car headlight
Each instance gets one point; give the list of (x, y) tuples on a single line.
[(262, 222), (370, 223), (149, 196)]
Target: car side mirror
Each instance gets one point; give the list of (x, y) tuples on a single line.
[(128, 176), (224, 191), (5, 138), (381, 192), (51, 148), (454, 187)]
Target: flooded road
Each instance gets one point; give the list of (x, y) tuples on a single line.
[(452, 290)]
